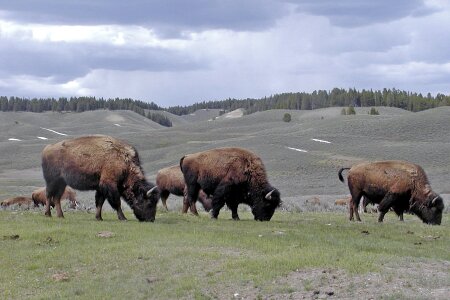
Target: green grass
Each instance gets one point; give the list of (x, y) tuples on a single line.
[(182, 256)]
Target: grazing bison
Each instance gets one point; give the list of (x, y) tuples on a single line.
[(39, 197), (232, 176), (17, 200), (104, 164), (170, 180), (401, 185)]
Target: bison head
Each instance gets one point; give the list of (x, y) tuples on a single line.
[(264, 206), (431, 212), (145, 200)]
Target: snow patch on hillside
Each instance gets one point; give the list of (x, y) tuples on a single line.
[(53, 131)]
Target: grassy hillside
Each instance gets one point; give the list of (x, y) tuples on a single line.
[(394, 134)]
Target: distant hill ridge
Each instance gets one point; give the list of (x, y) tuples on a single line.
[(292, 101)]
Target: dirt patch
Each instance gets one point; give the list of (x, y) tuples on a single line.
[(413, 280)]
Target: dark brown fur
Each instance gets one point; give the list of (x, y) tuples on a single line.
[(232, 176), (21, 200), (170, 180), (101, 163), (401, 185), (39, 197)]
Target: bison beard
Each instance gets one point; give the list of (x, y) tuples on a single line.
[(398, 184), (101, 163), (232, 176)]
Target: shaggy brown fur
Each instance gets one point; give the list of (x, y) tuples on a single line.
[(401, 185), (39, 197), (170, 180), (232, 176), (17, 200), (101, 163)]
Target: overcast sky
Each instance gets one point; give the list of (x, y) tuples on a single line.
[(177, 52)]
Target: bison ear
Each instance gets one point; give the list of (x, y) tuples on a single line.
[(151, 191), (269, 195)]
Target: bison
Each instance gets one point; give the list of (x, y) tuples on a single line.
[(401, 185), (102, 163), (232, 176), (170, 180), (21, 200), (39, 197)]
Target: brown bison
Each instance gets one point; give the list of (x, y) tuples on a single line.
[(170, 180), (232, 176), (21, 200), (39, 197), (401, 185), (104, 164)]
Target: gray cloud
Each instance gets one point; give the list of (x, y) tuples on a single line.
[(353, 13), (268, 47), (64, 62), (167, 17)]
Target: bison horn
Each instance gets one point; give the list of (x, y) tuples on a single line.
[(435, 198), (150, 191), (269, 195)]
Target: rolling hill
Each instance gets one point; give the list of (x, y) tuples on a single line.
[(302, 157)]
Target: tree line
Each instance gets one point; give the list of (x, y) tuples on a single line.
[(81, 104), (295, 101), (322, 99)]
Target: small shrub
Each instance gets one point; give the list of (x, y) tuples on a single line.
[(373, 111), (287, 117), (343, 112), (351, 110)]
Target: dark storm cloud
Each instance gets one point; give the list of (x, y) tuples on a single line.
[(353, 13), (165, 16), (64, 62)]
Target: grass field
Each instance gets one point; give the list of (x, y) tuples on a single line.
[(183, 256)]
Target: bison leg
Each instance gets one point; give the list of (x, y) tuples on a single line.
[(385, 205), (164, 195), (193, 209), (59, 212), (190, 206), (112, 195), (399, 212), (99, 200), (218, 200), (205, 201), (217, 205), (234, 213), (185, 205), (54, 194), (366, 202), (115, 203), (192, 193), (353, 207)]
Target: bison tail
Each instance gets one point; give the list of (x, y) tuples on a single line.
[(341, 178), (181, 163)]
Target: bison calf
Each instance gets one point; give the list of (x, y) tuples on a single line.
[(401, 185), (101, 163), (39, 197), (17, 200), (170, 180), (232, 176)]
